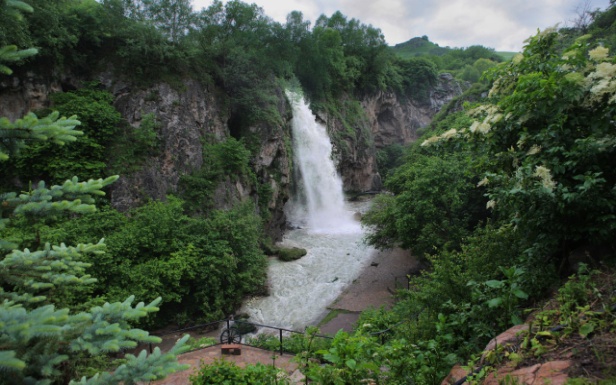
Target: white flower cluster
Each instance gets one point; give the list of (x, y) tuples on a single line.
[(545, 175), (601, 82), (444, 136), (492, 116)]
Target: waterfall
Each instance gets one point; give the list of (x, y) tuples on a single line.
[(319, 201), (301, 291)]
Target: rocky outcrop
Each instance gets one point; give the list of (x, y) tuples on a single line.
[(185, 116), (20, 95), (389, 119), (395, 120), (189, 112), (549, 372)]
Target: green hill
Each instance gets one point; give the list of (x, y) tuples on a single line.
[(419, 46)]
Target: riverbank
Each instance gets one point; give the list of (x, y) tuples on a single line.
[(375, 287)]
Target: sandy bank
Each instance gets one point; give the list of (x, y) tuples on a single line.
[(374, 288)]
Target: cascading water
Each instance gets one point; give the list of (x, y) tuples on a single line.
[(300, 291), (319, 202)]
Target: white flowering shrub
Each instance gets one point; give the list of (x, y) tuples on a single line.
[(549, 132)]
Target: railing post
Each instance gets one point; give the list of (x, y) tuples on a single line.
[(280, 330), (228, 324)]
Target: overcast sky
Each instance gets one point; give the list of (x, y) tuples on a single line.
[(499, 24)]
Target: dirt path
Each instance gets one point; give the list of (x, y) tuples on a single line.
[(374, 288)]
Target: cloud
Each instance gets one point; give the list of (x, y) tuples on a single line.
[(503, 25)]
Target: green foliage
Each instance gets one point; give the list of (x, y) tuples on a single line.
[(446, 58), (350, 359), (233, 156), (290, 254), (549, 136), (418, 77), (201, 267), (221, 160), (42, 344), (542, 142), (388, 158), (435, 204), (134, 145), (506, 295), (227, 372), (31, 128), (10, 53), (86, 157)]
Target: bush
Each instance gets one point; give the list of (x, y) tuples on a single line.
[(226, 372)]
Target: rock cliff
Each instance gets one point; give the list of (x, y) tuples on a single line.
[(388, 119), (185, 117), (189, 112)]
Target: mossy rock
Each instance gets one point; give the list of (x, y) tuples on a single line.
[(268, 247), (291, 254)]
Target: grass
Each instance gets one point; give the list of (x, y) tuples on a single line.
[(331, 315)]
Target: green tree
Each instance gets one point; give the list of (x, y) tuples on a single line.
[(173, 17), (86, 157), (434, 205), (39, 342), (550, 134)]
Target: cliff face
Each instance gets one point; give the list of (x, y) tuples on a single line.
[(388, 120), (191, 112), (185, 117), (394, 120)]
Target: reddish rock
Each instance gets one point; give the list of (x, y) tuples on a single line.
[(553, 373), (456, 373), (508, 336)]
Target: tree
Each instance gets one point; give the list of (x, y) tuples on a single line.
[(173, 17), (548, 132), (39, 343), (434, 206)]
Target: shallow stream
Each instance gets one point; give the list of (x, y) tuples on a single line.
[(301, 290)]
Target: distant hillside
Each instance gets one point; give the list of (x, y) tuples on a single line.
[(419, 46), (506, 55), (422, 46)]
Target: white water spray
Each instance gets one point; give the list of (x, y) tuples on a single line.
[(300, 291), (319, 203)]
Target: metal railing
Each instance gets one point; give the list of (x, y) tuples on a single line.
[(211, 326)]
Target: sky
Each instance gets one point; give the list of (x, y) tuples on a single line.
[(499, 24)]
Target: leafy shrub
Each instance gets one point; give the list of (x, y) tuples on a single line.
[(201, 267), (86, 157), (436, 204), (227, 372)]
